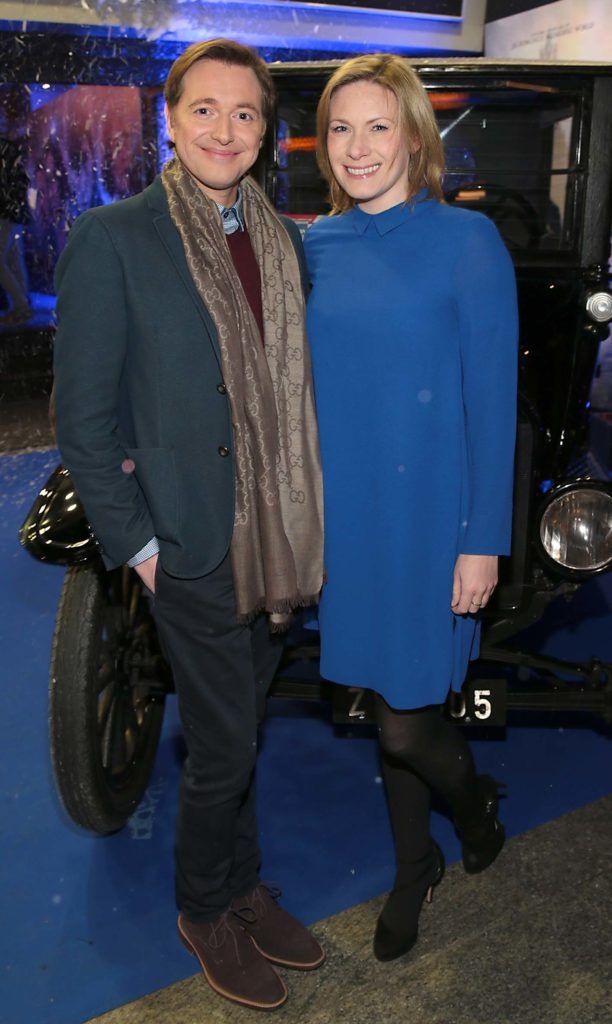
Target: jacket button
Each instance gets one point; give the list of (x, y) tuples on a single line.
[(223, 451), (221, 388)]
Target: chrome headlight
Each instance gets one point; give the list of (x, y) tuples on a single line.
[(576, 527)]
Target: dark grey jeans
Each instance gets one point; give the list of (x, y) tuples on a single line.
[(222, 673)]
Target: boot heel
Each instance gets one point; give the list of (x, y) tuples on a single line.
[(390, 942), (440, 868), (482, 841)]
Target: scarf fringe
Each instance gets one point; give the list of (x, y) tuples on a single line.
[(284, 607)]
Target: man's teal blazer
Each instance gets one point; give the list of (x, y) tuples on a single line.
[(143, 420)]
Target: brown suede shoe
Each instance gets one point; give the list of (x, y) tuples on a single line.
[(275, 933), (231, 964)]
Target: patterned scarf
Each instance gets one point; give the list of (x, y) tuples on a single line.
[(277, 542)]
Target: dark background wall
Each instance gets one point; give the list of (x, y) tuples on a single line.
[(504, 8)]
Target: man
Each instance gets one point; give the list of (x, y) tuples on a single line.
[(185, 415)]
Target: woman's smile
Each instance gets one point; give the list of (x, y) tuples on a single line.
[(363, 172)]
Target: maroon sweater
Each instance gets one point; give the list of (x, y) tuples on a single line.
[(245, 263)]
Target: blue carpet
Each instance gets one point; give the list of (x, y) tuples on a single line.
[(88, 924)]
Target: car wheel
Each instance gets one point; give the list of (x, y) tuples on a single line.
[(107, 692)]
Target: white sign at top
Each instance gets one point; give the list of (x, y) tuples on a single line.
[(565, 30)]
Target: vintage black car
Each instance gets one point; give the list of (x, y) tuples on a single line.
[(530, 145)]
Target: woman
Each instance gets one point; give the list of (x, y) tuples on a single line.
[(412, 321)]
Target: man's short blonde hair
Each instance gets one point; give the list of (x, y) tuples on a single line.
[(227, 52)]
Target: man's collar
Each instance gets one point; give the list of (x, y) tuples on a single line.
[(232, 217), (155, 194)]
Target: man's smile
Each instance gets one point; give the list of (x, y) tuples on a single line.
[(223, 153)]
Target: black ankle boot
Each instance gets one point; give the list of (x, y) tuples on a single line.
[(483, 837), (397, 928)]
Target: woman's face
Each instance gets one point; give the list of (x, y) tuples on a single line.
[(367, 149)]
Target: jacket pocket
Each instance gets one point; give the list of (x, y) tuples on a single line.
[(155, 472)]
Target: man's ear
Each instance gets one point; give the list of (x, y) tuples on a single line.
[(168, 117)]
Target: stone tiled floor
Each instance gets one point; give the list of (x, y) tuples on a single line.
[(528, 942)]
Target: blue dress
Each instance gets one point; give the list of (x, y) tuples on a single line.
[(413, 328)]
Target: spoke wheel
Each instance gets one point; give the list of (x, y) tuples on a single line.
[(107, 691)]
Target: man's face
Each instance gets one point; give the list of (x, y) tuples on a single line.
[(217, 126)]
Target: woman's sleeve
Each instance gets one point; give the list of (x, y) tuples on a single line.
[(486, 297)]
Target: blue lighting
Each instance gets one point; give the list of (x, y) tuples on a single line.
[(336, 9), (280, 29), (40, 95), (305, 30)]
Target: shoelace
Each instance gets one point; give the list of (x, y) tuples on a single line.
[(219, 933), (257, 906)]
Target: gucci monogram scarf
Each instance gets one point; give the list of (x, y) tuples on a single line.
[(277, 543)]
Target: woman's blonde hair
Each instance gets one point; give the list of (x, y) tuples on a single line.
[(416, 118)]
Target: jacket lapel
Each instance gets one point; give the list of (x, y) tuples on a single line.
[(156, 199)]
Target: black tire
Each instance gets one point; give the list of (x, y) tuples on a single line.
[(106, 697)]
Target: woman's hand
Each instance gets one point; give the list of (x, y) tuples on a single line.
[(474, 580)]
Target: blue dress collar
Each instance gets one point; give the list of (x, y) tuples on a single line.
[(391, 218)]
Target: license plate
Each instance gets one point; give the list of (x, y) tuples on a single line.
[(482, 702), (352, 705)]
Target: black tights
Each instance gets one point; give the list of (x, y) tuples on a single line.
[(422, 751)]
